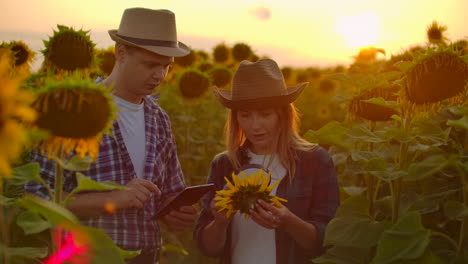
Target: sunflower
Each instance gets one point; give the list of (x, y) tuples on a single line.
[(220, 76), (193, 84), (435, 33), (106, 59), (22, 54), (435, 76), (14, 113), (69, 50), (76, 113), (241, 51), (244, 193), (221, 53)]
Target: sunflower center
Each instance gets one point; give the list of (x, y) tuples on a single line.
[(73, 113)]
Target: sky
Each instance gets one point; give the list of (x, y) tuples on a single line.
[(298, 33)]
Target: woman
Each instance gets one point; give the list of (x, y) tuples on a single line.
[(262, 128)]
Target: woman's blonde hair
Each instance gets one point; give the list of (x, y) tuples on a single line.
[(287, 142)]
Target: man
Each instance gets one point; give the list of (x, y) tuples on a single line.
[(141, 154)]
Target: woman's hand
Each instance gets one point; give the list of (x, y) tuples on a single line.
[(270, 216)]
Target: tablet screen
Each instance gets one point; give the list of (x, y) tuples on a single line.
[(189, 196)]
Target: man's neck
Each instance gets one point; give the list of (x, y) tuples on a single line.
[(119, 90)]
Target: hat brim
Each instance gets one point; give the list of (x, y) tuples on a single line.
[(180, 51), (224, 97)]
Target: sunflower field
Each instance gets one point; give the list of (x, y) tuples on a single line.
[(397, 130)]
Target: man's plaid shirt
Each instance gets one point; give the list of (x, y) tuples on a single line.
[(131, 228)]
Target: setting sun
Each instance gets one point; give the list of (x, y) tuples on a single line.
[(361, 30)]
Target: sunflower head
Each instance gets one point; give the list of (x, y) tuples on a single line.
[(435, 33), (221, 53), (205, 66), (327, 86), (193, 84), (241, 51), (106, 59), (186, 61), (22, 54), (244, 191), (220, 76), (374, 112), (76, 113), (69, 49), (368, 55), (15, 113), (435, 76)]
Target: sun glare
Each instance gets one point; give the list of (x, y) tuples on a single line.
[(361, 30)]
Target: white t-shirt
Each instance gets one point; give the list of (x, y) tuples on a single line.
[(131, 119), (250, 242)]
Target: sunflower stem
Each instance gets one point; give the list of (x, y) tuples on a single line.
[(448, 238), (464, 224), (58, 191), (370, 178), (4, 229), (402, 165)]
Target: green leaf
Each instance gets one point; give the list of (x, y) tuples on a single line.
[(351, 231), (26, 173), (86, 184), (330, 134), (407, 239), (174, 248), (28, 252), (104, 249), (49, 210), (344, 255), (460, 123), (403, 65), (389, 175), (381, 101), (78, 164), (397, 118), (354, 206), (354, 190), (364, 156), (428, 167), (32, 223), (376, 164), (455, 210), (363, 134)]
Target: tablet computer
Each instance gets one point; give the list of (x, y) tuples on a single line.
[(189, 196)]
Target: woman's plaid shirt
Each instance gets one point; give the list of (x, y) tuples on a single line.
[(131, 228)]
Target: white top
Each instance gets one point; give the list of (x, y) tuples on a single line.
[(250, 242), (131, 119)]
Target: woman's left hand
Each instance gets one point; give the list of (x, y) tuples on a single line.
[(270, 216)]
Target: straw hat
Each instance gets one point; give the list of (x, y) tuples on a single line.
[(257, 85), (152, 30)]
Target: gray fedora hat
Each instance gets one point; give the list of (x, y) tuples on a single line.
[(149, 29)]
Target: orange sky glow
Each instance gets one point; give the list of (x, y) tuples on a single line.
[(295, 32)]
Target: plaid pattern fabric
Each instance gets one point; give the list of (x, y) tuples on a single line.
[(313, 196), (130, 228)]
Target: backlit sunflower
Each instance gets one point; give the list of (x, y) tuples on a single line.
[(76, 113), (22, 54), (244, 193), (435, 76), (68, 50), (14, 113)]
